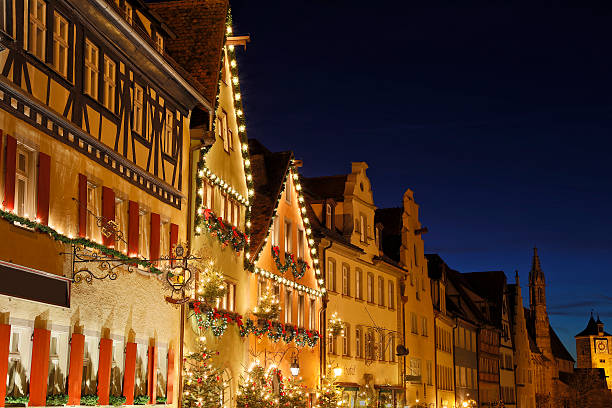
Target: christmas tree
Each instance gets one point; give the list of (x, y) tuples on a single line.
[(203, 381), (330, 394), (257, 389), (294, 395)]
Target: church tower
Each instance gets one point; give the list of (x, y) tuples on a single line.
[(537, 305)]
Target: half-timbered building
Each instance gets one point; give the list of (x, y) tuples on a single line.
[(95, 120)]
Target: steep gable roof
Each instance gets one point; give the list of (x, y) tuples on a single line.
[(269, 170), (558, 349), (200, 29), (326, 187), (490, 285), (391, 220)]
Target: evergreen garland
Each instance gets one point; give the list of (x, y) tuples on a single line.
[(225, 233), (298, 267), (45, 229)]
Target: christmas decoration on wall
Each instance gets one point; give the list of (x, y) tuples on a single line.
[(294, 395), (203, 171), (259, 388), (203, 382), (226, 233), (335, 326), (287, 282), (268, 307), (298, 267), (210, 282), (218, 321)]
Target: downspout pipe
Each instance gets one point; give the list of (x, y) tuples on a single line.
[(323, 316)]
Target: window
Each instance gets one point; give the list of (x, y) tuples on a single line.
[(429, 373), (236, 214), (24, 182), (37, 28), (222, 129), (228, 302), (60, 44), (127, 12), (121, 220), (381, 346), (415, 367), (168, 132), (288, 237), (331, 275), (159, 43), (358, 284), (346, 280), (288, 189), (208, 195), (328, 216), (358, 341), (345, 341), (90, 83), (362, 228), (331, 344), (391, 295), (275, 232), (109, 84), (300, 311), (414, 323), (392, 348), (288, 306), (137, 109), (370, 345), (3, 15), (424, 326), (312, 313), (144, 226), (370, 288), (230, 138), (300, 244), (381, 291), (93, 207)]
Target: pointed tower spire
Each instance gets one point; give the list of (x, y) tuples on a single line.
[(536, 274)]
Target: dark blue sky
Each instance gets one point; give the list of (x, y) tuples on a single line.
[(497, 116)]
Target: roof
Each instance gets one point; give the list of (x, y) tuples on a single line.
[(269, 170), (591, 329), (325, 187), (391, 220), (490, 285), (558, 349), (436, 267), (199, 26)]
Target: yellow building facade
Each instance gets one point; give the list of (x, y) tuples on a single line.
[(593, 348), (363, 289)]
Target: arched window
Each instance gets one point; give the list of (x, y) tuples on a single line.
[(540, 295)]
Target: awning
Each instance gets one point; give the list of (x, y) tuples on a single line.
[(348, 386)]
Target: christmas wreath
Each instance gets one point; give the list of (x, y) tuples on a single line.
[(298, 266)]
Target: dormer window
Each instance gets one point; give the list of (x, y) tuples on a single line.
[(127, 12), (159, 43), (362, 228), (328, 216)]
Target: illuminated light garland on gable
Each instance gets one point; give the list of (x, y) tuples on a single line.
[(292, 171), (244, 147), (222, 184), (287, 282)]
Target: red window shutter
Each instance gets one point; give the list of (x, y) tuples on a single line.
[(171, 374), (75, 373), (5, 339), (39, 370), (43, 188), (9, 175), (133, 217), (82, 205), (104, 370), (152, 375), (155, 238), (129, 375), (108, 212)]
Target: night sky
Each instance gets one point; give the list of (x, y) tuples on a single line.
[(498, 117)]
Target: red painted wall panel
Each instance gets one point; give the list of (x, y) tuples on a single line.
[(129, 374), (82, 205), (171, 374), (133, 217), (43, 188), (5, 340), (155, 237), (152, 375), (104, 370), (39, 369), (75, 370), (108, 212), (9, 175)]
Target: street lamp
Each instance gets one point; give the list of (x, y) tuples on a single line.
[(337, 371), (295, 366)]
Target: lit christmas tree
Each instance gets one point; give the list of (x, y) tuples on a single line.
[(330, 394), (256, 389), (268, 307), (294, 395), (203, 381)]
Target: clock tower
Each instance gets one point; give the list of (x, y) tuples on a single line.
[(593, 348)]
